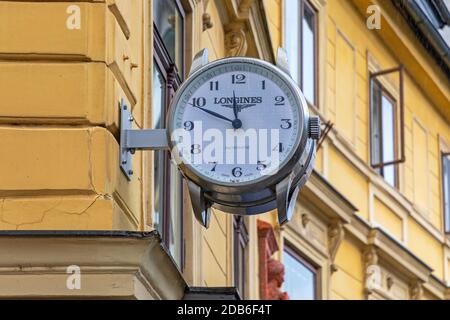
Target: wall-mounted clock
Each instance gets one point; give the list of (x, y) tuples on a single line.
[(234, 97)]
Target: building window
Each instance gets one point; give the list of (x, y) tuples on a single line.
[(446, 189), (300, 280), (383, 135), (168, 20), (240, 239), (300, 34), (167, 181)]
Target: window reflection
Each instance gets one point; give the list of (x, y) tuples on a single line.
[(169, 23), (299, 280), (176, 214), (240, 243), (300, 41), (388, 139), (158, 103), (309, 59), (292, 36), (376, 124), (446, 189)]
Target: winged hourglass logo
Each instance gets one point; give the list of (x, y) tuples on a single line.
[(241, 102)]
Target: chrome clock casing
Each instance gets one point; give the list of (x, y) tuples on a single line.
[(267, 192)]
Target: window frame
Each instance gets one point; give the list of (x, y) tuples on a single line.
[(381, 165), (240, 244), (399, 120), (173, 79), (158, 38), (445, 214), (301, 14), (294, 252)]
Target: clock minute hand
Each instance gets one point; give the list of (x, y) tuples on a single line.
[(235, 106)]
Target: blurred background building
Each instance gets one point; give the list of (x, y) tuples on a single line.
[(371, 223)]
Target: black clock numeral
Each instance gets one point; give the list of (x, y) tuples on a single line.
[(261, 166), (237, 172), (188, 126), (196, 149), (280, 101), (214, 166), (214, 86), (286, 124), (279, 147), (263, 84), (238, 78), (198, 102)]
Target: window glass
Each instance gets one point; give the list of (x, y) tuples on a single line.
[(292, 36), (158, 108), (169, 23), (299, 280), (309, 55), (446, 190), (376, 124), (240, 242), (301, 44), (176, 214), (388, 140)]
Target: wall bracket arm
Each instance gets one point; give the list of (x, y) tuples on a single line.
[(135, 139)]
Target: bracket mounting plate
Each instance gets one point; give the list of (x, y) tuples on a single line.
[(126, 121)]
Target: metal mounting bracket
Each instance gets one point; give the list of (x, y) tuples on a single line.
[(132, 140), (200, 60), (282, 60)]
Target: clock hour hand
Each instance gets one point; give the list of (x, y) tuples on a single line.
[(236, 122), (215, 114)]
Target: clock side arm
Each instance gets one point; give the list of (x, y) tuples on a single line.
[(200, 60), (200, 206), (282, 61)]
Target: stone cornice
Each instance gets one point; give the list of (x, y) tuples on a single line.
[(137, 259), (332, 204), (399, 256), (395, 256)]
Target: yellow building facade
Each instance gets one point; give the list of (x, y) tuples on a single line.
[(369, 224)]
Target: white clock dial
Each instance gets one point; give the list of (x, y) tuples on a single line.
[(244, 100)]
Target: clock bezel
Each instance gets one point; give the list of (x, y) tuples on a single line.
[(260, 183)]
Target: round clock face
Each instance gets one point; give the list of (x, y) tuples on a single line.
[(236, 123)]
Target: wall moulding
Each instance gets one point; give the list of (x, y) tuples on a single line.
[(246, 31), (392, 271), (235, 40)]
